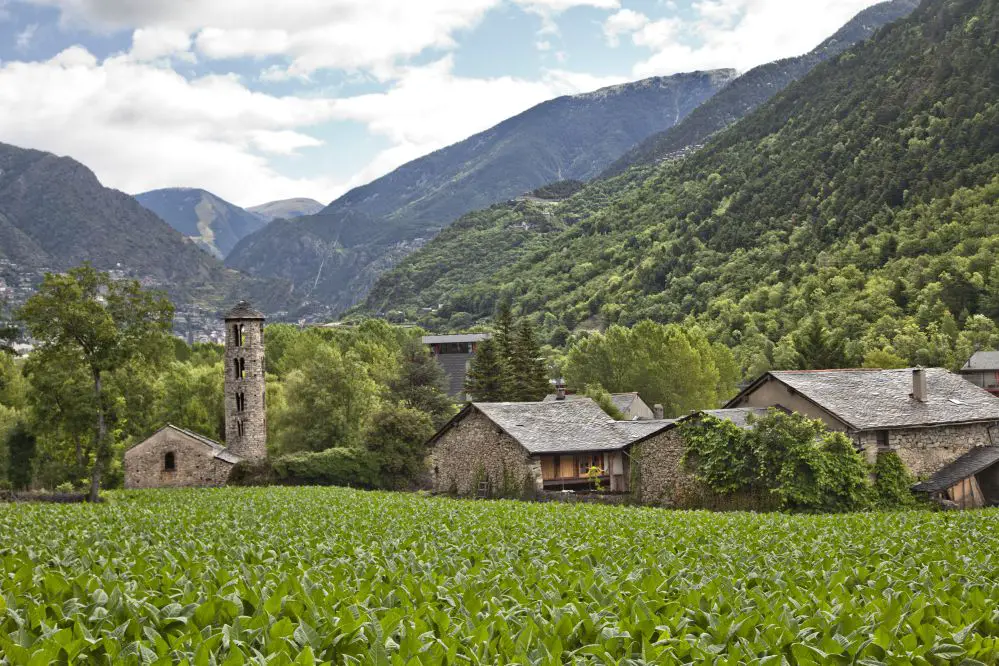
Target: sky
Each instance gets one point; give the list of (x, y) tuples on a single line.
[(258, 100)]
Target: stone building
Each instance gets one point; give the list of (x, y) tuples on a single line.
[(245, 385), (629, 404), (660, 478), (454, 353), (971, 481), (511, 449), (930, 417), (174, 457)]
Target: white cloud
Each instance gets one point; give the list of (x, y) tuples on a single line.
[(142, 126), (739, 33), (156, 43), (24, 37), (625, 21)]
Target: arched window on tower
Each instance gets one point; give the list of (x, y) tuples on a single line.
[(237, 335), (240, 402), (238, 367), (169, 462), (239, 428)]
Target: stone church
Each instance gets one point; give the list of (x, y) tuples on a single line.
[(175, 457)]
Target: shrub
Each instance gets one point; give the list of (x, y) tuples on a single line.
[(892, 482), (333, 467)]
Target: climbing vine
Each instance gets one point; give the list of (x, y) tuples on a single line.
[(798, 460), (892, 481)]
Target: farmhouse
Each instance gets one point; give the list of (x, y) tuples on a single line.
[(629, 404), (174, 457), (525, 447), (930, 417)]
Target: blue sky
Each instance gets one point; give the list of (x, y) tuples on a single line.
[(258, 100)]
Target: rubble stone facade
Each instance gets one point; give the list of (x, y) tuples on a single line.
[(926, 450), (245, 401), (175, 458), (659, 478), (475, 449)]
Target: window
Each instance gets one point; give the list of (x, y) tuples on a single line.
[(237, 335), (238, 367), (586, 462), (239, 428), (240, 402), (882, 439), (169, 462)]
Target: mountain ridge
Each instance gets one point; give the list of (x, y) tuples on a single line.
[(570, 137)]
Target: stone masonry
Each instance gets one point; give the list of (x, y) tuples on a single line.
[(245, 402), (193, 461), (475, 449), (926, 450)]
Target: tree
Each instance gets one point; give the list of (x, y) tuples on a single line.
[(103, 324), (329, 401), (486, 380), (603, 398), (528, 372), (420, 381), (397, 437), (193, 397), (20, 446), (672, 365), (505, 330)]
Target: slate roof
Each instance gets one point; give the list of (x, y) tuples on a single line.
[(737, 415), (218, 451), (880, 399), (971, 463), (244, 310), (464, 337), (623, 401), (982, 360)]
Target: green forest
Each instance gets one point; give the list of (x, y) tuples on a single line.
[(850, 221)]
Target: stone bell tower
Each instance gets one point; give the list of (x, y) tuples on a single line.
[(245, 413)]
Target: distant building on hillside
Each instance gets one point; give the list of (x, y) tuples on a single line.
[(454, 354), (982, 370)]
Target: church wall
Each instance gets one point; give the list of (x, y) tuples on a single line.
[(194, 463)]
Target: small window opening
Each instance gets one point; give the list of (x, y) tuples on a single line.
[(239, 428), (882, 440), (240, 402), (238, 367), (237, 335), (169, 462)]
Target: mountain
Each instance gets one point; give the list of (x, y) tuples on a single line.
[(755, 87), (55, 214), (853, 218), (336, 255), (286, 208), (210, 221)]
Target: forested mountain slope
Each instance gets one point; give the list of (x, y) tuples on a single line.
[(755, 87), (55, 214), (210, 221), (852, 216), (335, 256)]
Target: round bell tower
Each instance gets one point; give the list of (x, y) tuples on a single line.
[(245, 404)]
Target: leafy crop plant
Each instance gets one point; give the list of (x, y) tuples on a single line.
[(327, 575)]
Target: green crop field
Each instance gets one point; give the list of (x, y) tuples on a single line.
[(310, 575)]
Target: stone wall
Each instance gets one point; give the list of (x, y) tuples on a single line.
[(195, 463), (476, 449), (246, 428), (659, 478), (926, 450)]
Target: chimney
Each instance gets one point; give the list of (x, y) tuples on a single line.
[(560, 390), (919, 384), (658, 412)]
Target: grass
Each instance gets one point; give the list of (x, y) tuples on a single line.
[(310, 575)]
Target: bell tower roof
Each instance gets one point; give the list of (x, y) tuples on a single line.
[(244, 310)]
